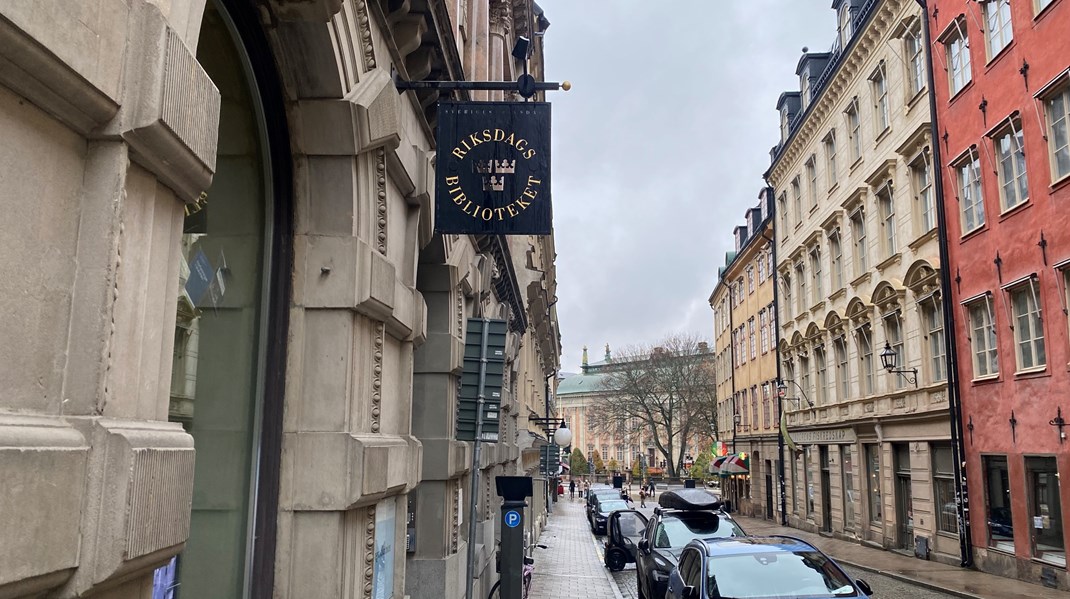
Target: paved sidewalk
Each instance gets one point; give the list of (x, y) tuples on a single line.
[(570, 565), (942, 577)]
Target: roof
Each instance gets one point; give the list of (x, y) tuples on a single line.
[(580, 383), (749, 545)]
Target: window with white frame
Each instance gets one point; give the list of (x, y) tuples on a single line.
[(893, 333), (845, 24), (817, 289), (769, 267), (750, 279), (1028, 325), (932, 313), (836, 259), (761, 269), (957, 47), (804, 375), (879, 89), (800, 288), (1010, 155), (971, 202), (858, 231), (811, 181), (864, 340), (830, 158), (915, 52), (922, 186), (854, 131), (754, 406), (843, 382), (753, 338), (787, 304), (782, 210), (998, 31), (1039, 5), (886, 207), (1057, 106), (763, 323), (796, 200), (821, 395), (983, 337)]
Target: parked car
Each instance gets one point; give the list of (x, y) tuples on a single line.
[(593, 497), (775, 566), (603, 510), (654, 543)]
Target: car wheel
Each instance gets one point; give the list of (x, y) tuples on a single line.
[(615, 560)]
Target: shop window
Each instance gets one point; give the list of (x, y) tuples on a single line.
[(847, 453), (944, 489), (873, 470), (1045, 510), (998, 497)]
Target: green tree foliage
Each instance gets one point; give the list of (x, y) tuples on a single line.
[(599, 465), (637, 471), (700, 469), (578, 462), (613, 466)]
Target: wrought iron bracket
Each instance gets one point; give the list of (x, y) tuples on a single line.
[(525, 85), (1059, 422)]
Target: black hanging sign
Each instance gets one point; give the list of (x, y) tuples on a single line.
[(493, 168)]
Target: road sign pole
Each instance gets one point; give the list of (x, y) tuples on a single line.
[(474, 473)]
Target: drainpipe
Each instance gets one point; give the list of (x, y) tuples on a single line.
[(954, 406), (770, 193)]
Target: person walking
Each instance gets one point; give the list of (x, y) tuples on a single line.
[(642, 496), (571, 489)]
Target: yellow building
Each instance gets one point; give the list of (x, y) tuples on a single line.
[(744, 333)]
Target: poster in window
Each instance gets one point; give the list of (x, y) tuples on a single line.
[(383, 571)]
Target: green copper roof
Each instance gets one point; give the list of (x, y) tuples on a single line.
[(580, 383)]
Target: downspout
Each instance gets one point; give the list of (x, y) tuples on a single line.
[(770, 193), (958, 447)]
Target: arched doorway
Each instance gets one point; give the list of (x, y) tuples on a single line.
[(230, 328)]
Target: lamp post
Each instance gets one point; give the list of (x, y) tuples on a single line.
[(782, 394), (888, 358)]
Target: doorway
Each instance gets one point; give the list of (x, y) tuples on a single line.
[(826, 489), (768, 490), (904, 510)]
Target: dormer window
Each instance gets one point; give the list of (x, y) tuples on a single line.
[(785, 123), (804, 87), (846, 26)]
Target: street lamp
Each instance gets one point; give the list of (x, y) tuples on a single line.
[(563, 436), (888, 358)]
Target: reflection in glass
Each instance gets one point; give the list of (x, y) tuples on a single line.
[(1046, 510), (998, 492)]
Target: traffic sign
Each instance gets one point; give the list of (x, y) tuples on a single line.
[(512, 518)]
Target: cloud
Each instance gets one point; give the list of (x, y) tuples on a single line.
[(658, 150)]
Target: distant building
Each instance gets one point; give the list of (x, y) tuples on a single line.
[(858, 264), (1003, 106), (744, 324)]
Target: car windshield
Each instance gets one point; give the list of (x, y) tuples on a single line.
[(679, 529), (770, 574), (612, 505)]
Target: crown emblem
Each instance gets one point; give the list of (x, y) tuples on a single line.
[(494, 172)]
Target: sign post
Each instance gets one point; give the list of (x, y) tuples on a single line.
[(514, 490)]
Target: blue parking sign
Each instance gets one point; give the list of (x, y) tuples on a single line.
[(512, 518)]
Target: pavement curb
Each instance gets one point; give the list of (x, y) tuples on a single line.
[(903, 578), (608, 574)]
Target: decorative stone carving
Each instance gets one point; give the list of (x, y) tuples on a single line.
[(364, 24), (377, 376), (380, 201), (369, 549)]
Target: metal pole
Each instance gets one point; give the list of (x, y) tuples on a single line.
[(474, 474), (954, 406), (770, 194)]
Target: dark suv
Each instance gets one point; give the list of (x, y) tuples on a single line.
[(655, 544)]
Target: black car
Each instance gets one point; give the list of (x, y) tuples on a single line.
[(601, 513), (774, 566), (682, 516), (600, 493)]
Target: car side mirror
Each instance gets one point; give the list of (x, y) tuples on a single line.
[(864, 586), (644, 546)]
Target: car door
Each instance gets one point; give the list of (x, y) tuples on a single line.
[(687, 570), (625, 528)]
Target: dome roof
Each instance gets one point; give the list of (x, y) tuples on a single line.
[(580, 383)]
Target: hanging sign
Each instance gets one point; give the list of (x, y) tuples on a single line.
[(493, 168)]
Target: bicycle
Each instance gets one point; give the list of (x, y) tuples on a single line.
[(529, 570)]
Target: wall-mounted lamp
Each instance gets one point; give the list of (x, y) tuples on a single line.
[(888, 358)]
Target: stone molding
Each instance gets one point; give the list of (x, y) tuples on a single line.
[(170, 114)]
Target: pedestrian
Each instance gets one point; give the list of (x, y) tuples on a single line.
[(642, 496), (587, 488), (571, 489)]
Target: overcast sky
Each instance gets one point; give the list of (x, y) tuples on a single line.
[(658, 151)]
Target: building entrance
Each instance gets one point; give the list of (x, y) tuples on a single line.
[(904, 507)]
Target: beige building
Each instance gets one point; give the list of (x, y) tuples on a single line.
[(744, 328), (238, 336), (857, 263)]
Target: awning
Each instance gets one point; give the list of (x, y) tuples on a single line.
[(729, 464)]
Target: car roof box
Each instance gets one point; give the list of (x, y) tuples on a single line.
[(689, 499)]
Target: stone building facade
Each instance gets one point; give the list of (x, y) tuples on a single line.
[(1002, 97), (744, 317), (240, 336), (858, 266)]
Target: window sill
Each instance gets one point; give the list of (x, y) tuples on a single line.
[(1044, 11), (1015, 209), (855, 164), (834, 187), (918, 95), (1060, 182), (974, 232), (882, 136), (984, 380), (1032, 373), (1040, 560), (923, 239), (948, 535), (895, 258), (862, 278), (995, 549), (961, 92)]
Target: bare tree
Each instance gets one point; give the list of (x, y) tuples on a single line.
[(665, 393)]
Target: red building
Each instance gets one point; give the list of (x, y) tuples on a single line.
[(1002, 95)]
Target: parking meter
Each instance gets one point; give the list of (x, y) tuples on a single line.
[(513, 490)]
